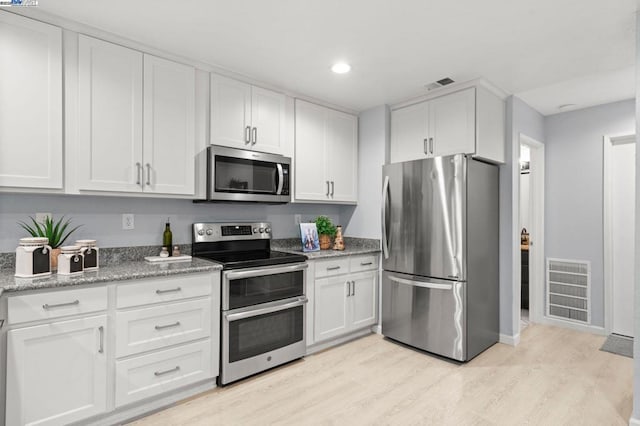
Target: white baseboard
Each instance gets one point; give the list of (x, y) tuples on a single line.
[(317, 347), (376, 329), (586, 328), (509, 340), (634, 422)]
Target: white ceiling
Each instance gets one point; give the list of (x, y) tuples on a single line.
[(563, 48)]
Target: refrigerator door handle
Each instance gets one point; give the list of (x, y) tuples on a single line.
[(385, 196), (436, 286)]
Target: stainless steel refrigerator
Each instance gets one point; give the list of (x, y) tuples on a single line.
[(440, 255)]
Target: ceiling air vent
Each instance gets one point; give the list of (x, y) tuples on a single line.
[(443, 82)]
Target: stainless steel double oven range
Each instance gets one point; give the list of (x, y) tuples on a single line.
[(263, 297)]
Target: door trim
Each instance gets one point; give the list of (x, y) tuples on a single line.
[(536, 250), (608, 142)]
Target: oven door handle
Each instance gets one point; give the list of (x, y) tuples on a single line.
[(258, 272), (255, 312)]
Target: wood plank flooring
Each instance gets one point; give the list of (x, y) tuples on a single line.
[(554, 377)]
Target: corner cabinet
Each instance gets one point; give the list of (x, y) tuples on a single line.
[(246, 116), (326, 155), (30, 103), (468, 121), (136, 121)]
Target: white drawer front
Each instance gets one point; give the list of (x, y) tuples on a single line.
[(159, 372), (334, 266), (55, 304), (156, 327), (163, 290), (363, 263)]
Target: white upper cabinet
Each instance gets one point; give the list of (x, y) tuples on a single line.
[(136, 121), (326, 155), (109, 116), (30, 103), (246, 116), (169, 131), (469, 121)]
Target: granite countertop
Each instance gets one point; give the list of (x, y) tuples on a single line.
[(128, 270), (353, 246)]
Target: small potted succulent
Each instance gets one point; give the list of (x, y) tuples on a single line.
[(55, 231), (326, 231)]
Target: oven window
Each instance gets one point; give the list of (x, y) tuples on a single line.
[(265, 288), (264, 333), (246, 176)]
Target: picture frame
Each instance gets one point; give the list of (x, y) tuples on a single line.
[(309, 237)]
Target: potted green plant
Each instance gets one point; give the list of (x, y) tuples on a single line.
[(326, 231), (55, 231)]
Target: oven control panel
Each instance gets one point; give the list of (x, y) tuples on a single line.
[(231, 231)]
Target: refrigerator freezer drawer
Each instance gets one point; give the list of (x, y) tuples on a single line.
[(428, 314)]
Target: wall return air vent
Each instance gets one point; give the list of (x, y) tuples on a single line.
[(568, 290)]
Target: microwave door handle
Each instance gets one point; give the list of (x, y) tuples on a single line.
[(280, 179)]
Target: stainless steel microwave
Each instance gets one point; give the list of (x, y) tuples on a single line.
[(243, 175)]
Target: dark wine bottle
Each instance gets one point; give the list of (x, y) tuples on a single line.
[(167, 237)]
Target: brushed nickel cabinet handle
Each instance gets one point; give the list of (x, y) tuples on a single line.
[(348, 283), (426, 146), (162, 327), (148, 174), (170, 290), (333, 268), (101, 331), (328, 189), (139, 179), (431, 145), (162, 373), (255, 136), (59, 305), (353, 288), (332, 188), (247, 134), (366, 263)]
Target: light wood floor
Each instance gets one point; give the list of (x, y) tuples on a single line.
[(554, 377)]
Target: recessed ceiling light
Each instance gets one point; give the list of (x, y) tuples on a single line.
[(564, 107), (341, 68)]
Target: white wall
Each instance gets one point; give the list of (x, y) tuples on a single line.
[(374, 134), (101, 217), (574, 187), (520, 119)]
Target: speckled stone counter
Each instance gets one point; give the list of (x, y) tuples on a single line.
[(353, 246), (122, 271)]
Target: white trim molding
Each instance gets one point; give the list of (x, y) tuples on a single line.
[(634, 422), (608, 142), (510, 340)]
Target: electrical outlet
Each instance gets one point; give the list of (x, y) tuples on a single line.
[(40, 217), (297, 218), (128, 221)]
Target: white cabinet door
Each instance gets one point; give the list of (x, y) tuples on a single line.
[(342, 161), (57, 372), (110, 116), (363, 301), (331, 308), (452, 123), (230, 112), (267, 120), (311, 183), (169, 127), (409, 133), (30, 103)]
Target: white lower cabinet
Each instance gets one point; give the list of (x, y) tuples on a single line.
[(57, 372), (162, 371), (345, 296)]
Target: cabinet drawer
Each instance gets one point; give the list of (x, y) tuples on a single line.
[(363, 263), (157, 327), (329, 267), (163, 371), (163, 290), (54, 304)]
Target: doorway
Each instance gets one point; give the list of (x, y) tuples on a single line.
[(531, 230), (619, 232)]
